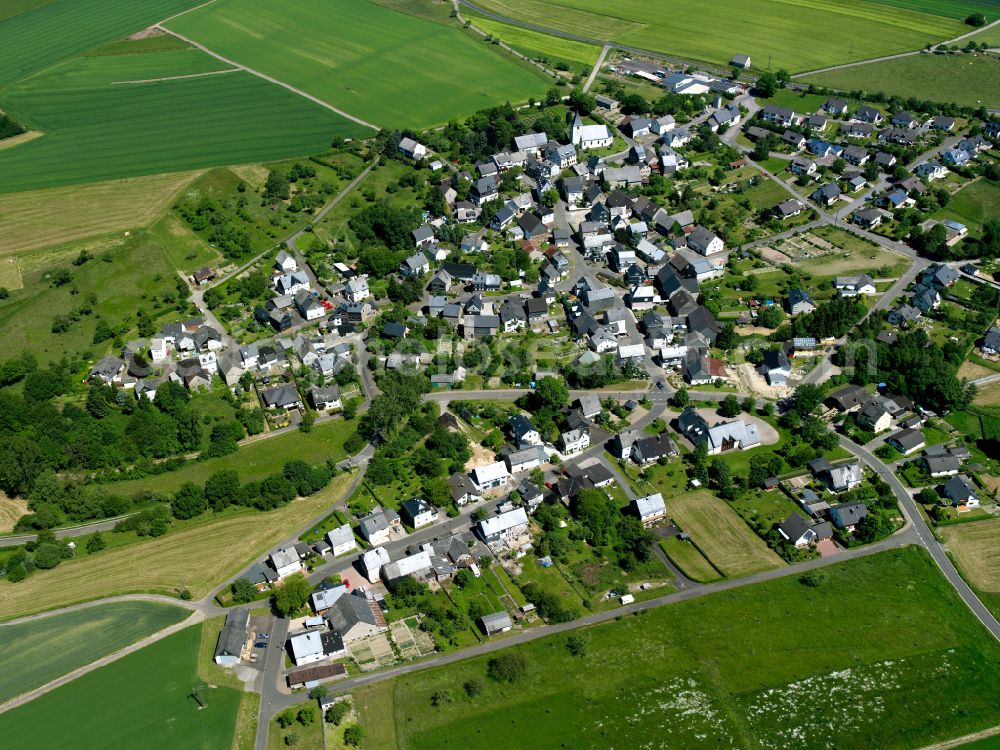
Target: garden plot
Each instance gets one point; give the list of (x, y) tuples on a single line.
[(373, 652), (411, 641)]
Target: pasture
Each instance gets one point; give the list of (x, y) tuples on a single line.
[(37, 652), (742, 668), (969, 80), (772, 32), (388, 68), (144, 700), (96, 130), (721, 534), (42, 218), (541, 46), (199, 557), (974, 549)]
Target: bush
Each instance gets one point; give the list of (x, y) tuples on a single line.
[(507, 667), (354, 736), (337, 712)]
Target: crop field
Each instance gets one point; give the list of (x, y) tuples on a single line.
[(143, 700), (540, 46), (966, 79), (97, 130), (55, 31), (43, 218), (721, 534), (975, 550), (37, 652), (388, 68), (957, 9), (772, 32), (735, 669), (199, 557), (974, 205)]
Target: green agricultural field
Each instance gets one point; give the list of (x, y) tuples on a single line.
[(775, 33), (970, 80), (974, 205), (388, 68), (55, 31), (141, 701), (691, 562), (97, 130), (738, 669), (37, 652), (957, 9), (541, 46)]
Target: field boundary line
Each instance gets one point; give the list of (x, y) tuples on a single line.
[(193, 619), (270, 79), (177, 78), (182, 13), (597, 67)]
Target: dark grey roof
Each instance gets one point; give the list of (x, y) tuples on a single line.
[(234, 633)]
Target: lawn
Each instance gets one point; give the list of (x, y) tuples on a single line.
[(539, 46), (42, 218), (692, 563), (253, 461), (960, 78), (974, 205), (144, 700), (306, 737), (56, 31), (736, 669), (771, 32), (721, 534), (198, 557), (37, 652), (95, 130), (388, 68)]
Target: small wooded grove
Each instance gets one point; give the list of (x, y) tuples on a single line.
[(9, 128)]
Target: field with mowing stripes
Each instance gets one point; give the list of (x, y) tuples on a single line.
[(737, 669), (775, 33), (37, 652), (97, 130), (541, 46), (974, 547), (388, 68), (721, 534), (42, 218), (143, 700)]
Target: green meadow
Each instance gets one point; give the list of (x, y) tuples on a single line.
[(845, 664), (144, 700), (36, 652), (392, 69), (540, 46), (796, 35)]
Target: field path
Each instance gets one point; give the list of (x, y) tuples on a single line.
[(959, 38), (195, 617), (268, 78), (175, 78), (597, 67)]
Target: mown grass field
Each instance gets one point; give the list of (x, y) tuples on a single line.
[(721, 534), (957, 9), (37, 652), (54, 31), (976, 552), (143, 700), (42, 218), (540, 46), (782, 33), (744, 668), (974, 205), (970, 80), (692, 563), (199, 557), (96, 130), (392, 69)]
